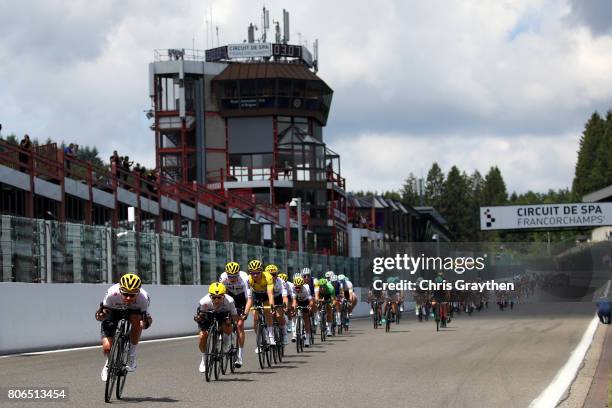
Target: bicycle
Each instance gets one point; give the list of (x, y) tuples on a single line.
[(398, 315), (343, 326), (376, 315), (117, 359), (213, 354), (388, 310), (264, 349), (313, 328), (279, 350), (232, 353), (300, 331), (440, 317), (323, 320)]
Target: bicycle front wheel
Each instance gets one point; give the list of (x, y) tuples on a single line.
[(261, 347), (113, 363), (122, 375), (209, 354)]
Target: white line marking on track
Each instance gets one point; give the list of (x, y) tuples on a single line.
[(551, 396)]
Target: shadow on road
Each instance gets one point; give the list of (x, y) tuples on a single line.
[(148, 399)]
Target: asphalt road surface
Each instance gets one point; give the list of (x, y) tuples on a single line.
[(492, 358)]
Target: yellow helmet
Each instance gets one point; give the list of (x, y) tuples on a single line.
[(255, 265), (232, 268), (272, 269), (283, 276), (298, 281), (216, 288), (130, 283)]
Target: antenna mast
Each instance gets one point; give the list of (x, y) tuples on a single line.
[(285, 26), (265, 23)]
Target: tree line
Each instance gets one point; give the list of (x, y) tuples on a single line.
[(458, 196)]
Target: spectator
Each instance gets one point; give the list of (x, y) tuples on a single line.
[(25, 144), (126, 165), (287, 170), (330, 171), (116, 161), (68, 153)]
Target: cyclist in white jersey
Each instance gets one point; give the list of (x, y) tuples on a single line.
[(302, 297), (127, 294), (236, 283), (223, 309), (290, 312)]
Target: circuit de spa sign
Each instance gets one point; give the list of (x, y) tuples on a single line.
[(542, 216)]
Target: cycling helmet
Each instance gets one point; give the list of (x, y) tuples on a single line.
[(232, 268), (392, 279), (255, 265), (216, 288), (305, 271), (329, 274), (130, 283), (283, 276), (298, 281), (322, 282), (334, 278), (341, 278), (272, 269)]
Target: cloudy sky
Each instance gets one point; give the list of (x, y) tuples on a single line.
[(467, 83)]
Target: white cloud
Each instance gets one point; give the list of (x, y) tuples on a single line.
[(452, 82), (380, 162)]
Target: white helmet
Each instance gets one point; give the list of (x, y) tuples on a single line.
[(305, 271), (334, 278), (341, 278), (329, 274)]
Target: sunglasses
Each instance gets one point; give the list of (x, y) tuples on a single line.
[(128, 295), (255, 273), (298, 288), (217, 297)]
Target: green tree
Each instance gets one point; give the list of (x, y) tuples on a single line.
[(409, 191), (592, 137), (434, 187), (475, 187), (494, 190), (456, 204)]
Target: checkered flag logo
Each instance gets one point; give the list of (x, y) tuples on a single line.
[(490, 219)]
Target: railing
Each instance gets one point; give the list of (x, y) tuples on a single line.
[(175, 54)]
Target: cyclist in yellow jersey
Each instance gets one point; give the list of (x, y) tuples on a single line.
[(262, 292)]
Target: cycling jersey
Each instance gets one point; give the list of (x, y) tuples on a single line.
[(279, 287), (326, 291), (114, 300), (347, 285), (290, 287), (227, 306), (266, 282), (304, 294), (241, 285)]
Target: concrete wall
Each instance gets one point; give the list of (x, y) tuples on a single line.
[(36, 316)]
